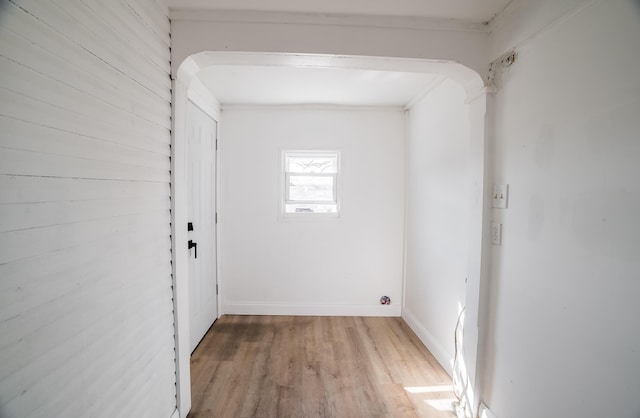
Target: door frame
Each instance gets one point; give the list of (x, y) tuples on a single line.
[(477, 268), (181, 82), (212, 114)]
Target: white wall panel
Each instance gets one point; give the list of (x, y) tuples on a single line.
[(21, 189), (312, 266), (86, 311), (35, 84), (58, 59), (438, 185), (16, 106), (563, 338)]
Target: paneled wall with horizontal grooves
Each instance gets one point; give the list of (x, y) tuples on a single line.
[(86, 311)]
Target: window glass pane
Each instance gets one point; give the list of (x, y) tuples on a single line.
[(311, 188), (311, 208), (312, 164)]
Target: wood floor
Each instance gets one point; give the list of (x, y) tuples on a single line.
[(278, 366)]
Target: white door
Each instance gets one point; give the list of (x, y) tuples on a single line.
[(201, 177)]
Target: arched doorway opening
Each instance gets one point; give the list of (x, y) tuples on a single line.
[(476, 100)]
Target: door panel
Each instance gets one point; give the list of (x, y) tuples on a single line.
[(201, 172)]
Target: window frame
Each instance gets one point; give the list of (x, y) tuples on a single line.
[(285, 175)]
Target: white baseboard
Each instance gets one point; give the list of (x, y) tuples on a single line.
[(176, 414), (248, 308), (438, 351)]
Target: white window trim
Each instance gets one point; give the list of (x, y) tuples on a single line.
[(283, 198)]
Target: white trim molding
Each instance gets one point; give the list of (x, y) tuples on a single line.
[(444, 358), (179, 249), (256, 308), (329, 19)]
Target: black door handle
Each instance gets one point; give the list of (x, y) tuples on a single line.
[(194, 245)]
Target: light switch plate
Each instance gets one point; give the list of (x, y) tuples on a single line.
[(500, 196)]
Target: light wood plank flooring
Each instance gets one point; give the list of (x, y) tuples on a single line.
[(279, 366)]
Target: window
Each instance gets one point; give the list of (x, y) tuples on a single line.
[(310, 182)]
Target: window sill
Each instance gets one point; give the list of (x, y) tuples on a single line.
[(309, 217)]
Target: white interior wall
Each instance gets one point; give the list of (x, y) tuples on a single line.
[(563, 337), (438, 189), (323, 267), (86, 318)]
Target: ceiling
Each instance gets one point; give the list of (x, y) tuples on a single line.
[(271, 85), (468, 10)]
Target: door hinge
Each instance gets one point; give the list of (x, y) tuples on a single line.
[(216, 217), (216, 144), (216, 288)]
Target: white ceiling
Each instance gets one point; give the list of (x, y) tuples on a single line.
[(270, 85), (469, 10)]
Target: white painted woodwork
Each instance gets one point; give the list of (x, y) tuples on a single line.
[(477, 11), (329, 38), (201, 209), (180, 254), (202, 97), (185, 88), (86, 301)]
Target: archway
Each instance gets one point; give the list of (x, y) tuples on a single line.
[(476, 265)]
